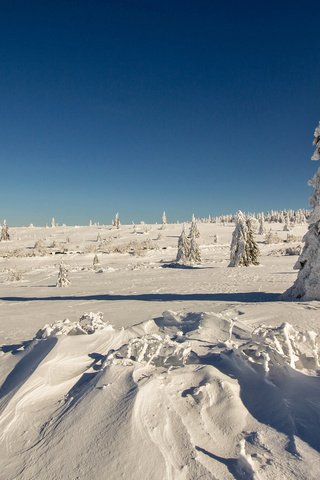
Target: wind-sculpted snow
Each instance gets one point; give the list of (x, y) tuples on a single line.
[(157, 350), (88, 324), (182, 396)]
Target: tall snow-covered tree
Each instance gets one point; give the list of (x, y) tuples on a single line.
[(307, 284), (4, 231), (194, 228), (238, 242), (183, 248), (63, 280), (251, 247), (244, 250), (194, 251)]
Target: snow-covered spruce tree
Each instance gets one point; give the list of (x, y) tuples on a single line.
[(251, 247), (164, 221), (164, 218), (261, 225), (53, 222), (116, 221), (194, 251), (4, 231), (307, 284), (286, 227), (244, 250), (183, 248), (63, 280), (194, 228), (238, 242)]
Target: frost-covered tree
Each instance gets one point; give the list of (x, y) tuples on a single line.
[(286, 227), (251, 247), (63, 280), (53, 222), (307, 284), (183, 248), (194, 251), (194, 228), (261, 225), (116, 222), (244, 250), (99, 237), (164, 218), (4, 231), (238, 242)]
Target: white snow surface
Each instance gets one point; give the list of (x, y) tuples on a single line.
[(174, 373)]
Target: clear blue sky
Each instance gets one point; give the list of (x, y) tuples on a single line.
[(138, 106)]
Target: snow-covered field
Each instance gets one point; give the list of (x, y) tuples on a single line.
[(187, 373)]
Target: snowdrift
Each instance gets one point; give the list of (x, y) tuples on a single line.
[(182, 396)]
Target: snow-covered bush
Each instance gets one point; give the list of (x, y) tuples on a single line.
[(272, 237), (14, 275), (95, 263), (293, 238)]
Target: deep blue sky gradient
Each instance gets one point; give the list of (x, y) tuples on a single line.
[(143, 105)]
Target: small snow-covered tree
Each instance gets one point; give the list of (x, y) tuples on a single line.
[(53, 222), (116, 221), (194, 251), (63, 280), (99, 237), (244, 250), (261, 225), (183, 248), (4, 231), (307, 284), (164, 218), (286, 227)]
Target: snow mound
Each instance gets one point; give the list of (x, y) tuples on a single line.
[(183, 396), (87, 325), (154, 349)]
